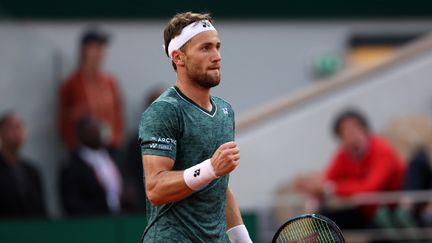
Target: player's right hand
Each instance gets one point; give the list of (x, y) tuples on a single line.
[(226, 158)]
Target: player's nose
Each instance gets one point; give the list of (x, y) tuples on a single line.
[(216, 57)]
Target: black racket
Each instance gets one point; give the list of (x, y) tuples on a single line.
[(309, 228)]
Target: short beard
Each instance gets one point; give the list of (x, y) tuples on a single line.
[(201, 79)]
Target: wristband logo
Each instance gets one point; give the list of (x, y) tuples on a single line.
[(197, 172)]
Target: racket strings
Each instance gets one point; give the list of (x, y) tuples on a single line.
[(308, 230)]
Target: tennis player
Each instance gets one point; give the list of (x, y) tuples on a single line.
[(187, 142)]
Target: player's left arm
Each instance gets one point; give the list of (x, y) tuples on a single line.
[(237, 231), (232, 212)]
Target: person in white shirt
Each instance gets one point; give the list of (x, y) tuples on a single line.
[(91, 182)]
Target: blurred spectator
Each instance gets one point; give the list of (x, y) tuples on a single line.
[(90, 90), (418, 177), (20, 185), (133, 169), (419, 172), (364, 162), (91, 182)]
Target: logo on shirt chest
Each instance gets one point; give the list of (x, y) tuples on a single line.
[(225, 111)]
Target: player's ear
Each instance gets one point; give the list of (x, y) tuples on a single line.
[(178, 57)]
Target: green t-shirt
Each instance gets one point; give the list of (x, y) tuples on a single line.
[(176, 127)]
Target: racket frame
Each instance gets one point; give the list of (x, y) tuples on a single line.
[(314, 216)]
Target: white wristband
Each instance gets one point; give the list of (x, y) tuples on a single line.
[(239, 234), (199, 175)]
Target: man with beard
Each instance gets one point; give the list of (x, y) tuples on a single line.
[(187, 142)]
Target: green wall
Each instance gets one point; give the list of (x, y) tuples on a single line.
[(122, 229)]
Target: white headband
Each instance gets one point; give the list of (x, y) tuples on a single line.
[(187, 33)]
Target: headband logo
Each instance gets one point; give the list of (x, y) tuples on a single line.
[(187, 33), (206, 24)]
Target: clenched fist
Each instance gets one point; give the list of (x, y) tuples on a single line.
[(226, 158)]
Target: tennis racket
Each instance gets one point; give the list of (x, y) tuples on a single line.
[(309, 228)]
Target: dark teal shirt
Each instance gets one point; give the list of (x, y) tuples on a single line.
[(176, 127)]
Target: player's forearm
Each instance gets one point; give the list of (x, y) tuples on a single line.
[(166, 187), (236, 230), (232, 212)]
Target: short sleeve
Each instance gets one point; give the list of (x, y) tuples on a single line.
[(159, 129)]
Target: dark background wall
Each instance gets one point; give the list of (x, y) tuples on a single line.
[(219, 8)]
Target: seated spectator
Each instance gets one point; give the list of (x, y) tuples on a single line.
[(364, 162), (419, 172), (418, 177), (91, 182), (90, 90), (132, 165), (20, 186)]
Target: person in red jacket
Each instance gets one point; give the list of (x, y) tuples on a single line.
[(90, 91), (364, 162)]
